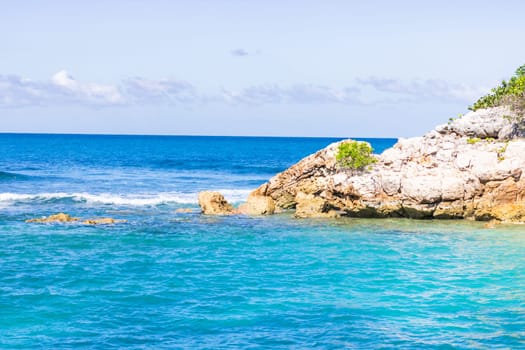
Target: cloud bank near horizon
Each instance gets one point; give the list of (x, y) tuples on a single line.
[(63, 89)]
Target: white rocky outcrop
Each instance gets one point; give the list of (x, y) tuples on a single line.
[(497, 122), (470, 168)]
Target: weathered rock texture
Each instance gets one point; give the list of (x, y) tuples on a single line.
[(257, 205), (447, 173), (498, 122), (213, 203)]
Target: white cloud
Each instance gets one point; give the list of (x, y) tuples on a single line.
[(140, 90), (87, 92), (364, 91), (62, 88), (423, 90), (16, 91), (299, 93)]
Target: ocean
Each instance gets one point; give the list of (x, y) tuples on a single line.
[(167, 279)]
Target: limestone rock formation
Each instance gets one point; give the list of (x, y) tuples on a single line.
[(498, 122), (309, 205), (213, 203), (470, 168)]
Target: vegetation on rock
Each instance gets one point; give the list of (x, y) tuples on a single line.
[(473, 140), (501, 151), (355, 154), (509, 93)]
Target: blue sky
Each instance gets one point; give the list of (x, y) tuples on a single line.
[(283, 68)]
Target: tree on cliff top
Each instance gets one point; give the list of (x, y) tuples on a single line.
[(510, 93)]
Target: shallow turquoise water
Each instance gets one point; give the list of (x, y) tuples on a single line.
[(181, 280), (196, 282)]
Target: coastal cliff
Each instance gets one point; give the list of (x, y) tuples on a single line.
[(470, 168)]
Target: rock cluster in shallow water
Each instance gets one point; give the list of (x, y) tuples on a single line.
[(66, 218), (471, 168), (214, 203)]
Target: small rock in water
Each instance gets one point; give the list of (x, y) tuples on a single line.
[(184, 210), (63, 218), (60, 217), (102, 221), (213, 203)]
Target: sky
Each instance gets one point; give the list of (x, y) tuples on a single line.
[(256, 68)]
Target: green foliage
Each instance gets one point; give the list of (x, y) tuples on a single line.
[(511, 93), (473, 140), (355, 154), (520, 71), (501, 151)]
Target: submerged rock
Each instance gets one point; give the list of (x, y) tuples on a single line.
[(102, 221), (214, 203), (60, 217), (65, 218), (184, 210)]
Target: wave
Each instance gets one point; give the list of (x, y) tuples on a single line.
[(234, 196), (4, 175)]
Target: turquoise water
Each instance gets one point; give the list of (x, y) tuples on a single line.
[(181, 280)]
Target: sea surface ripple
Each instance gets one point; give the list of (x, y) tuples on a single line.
[(176, 280)]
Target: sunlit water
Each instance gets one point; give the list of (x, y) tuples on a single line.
[(181, 280)]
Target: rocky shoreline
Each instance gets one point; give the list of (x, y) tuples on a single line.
[(470, 168)]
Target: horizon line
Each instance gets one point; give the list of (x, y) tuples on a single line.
[(187, 135)]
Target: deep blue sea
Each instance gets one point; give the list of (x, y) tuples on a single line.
[(171, 280)]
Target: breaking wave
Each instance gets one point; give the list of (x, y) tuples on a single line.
[(115, 199)]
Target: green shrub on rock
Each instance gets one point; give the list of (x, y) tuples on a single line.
[(355, 154), (510, 93)]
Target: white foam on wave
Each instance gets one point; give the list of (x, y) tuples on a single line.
[(233, 196)]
